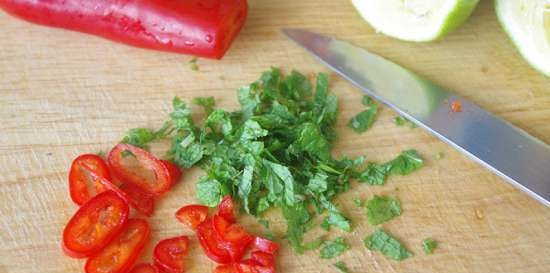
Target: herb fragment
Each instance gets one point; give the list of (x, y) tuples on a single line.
[(407, 162), (382, 208), (341, 266), (364, 120), (381, 241), (428, 245), (207, 103), (140, 137), (193, 64), (401, 121), (334, 248)]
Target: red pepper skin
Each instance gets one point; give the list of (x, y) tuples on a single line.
[(199, 27)]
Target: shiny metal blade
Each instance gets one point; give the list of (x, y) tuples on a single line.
[(507, 150)]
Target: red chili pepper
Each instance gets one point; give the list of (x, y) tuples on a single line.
[(212, 245), (169, 254), (265, 245), (82, 184), (94, 224), (192, 215), (119, 255), (199, 27), (140, 168), (225, 209)]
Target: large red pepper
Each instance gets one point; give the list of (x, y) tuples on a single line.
[(199, 27)]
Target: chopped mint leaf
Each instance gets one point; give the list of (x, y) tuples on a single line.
[(428, 245), (341, 266), (367, 101), (193, 64), (140, 137), (207, 103), (382, 208), (185, 151), (374, 174), (401, 121), (209, 192), (364, 120), (407, 162), (381, 241), (315, 244), (334, 248)]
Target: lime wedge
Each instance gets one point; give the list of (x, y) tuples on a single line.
[(415, 20), (527, 22)]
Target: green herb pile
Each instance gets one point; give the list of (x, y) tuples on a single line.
[(273, 152)]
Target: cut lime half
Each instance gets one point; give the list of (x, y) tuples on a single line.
[(415, 20), (527, 22)]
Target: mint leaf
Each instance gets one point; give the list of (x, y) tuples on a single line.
[(407, 162), (140, 137), (207, 103), (428, 245), (382, 208), (252, 130), (209, 192), (381, 241), (374, 174), (334, 248), (367, 101), (185, 152), (364, 120), (341, 266)]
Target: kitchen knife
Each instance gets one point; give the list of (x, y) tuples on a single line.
[(510, 152)]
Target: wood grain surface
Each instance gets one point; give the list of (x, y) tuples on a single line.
[(63, 93)]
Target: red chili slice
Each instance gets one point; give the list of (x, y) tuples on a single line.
[(211, 244), (138, 167), (192, 215), (82, 186), (136, 197), (144, 268), (173, 170), (169, 254), (139, 199), (265, 245), (226, 209), (263, 258), (119, 255), (251, 266), (95, 223), (231, 233), (225, 268)]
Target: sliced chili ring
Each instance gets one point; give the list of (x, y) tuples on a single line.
[(226, 209), (82, 186), (144, 268), (95, 224), (140, 168), (192, 215), (121, 253), (211, 243), (169, 254)]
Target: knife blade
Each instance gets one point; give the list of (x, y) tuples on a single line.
[(510, 152)]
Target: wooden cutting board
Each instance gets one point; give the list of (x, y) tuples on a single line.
[(63, 93)]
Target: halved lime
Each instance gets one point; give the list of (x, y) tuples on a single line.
[(415, 20), (527, 22)]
